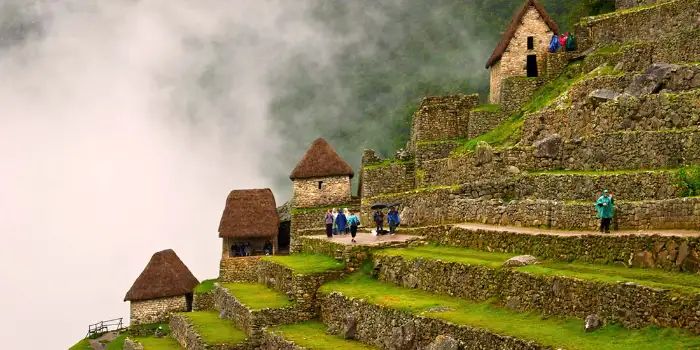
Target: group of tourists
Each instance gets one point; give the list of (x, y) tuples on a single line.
[(566, 42), (392, 218), (244, 249), (341, 223)]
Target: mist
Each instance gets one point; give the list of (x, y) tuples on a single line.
[(124, 124)]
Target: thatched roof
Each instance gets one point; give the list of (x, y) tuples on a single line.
[(164, 276), (249, 213), (321, 160), (513, 27)]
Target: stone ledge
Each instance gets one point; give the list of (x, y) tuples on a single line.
[(272, 341), (183, 330), (388, 328), (632, 305), (351, 254)]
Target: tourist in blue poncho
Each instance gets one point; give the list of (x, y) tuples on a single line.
[(605, 205), (341, 221)]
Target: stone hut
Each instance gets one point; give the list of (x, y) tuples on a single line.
[(250, 217), (322, 177), (166, 285), (521, 50)]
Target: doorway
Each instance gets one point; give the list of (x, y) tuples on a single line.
[(188, 300), (531, 66), (283, 238)]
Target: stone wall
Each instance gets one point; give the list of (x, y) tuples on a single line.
[(442, 118), (334, 190), (639, 25), (480, 122), (352, 256), (625, 4), (273, 341), (242, 268), (632, 305), (388, 328), (389, 178), (431, 150), (652, 150), (670, 253), (183, 330), (203, 301), (513, 61), (300, 288), (517, 91), (155, 310), (454, 205), (130, 344), (253, 321)]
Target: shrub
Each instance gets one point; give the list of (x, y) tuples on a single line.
[(689, 181)]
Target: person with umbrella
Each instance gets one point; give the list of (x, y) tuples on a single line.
[(379, 218), (393, 219)]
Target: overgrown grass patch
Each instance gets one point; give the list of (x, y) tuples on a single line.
[(389, 162), (153, 343), (598, 172), (488, 108), (214, 330), (556, 332), (313, 335), (307, 263), (257, 296), (83, 344), (205, 286), (117, 343)]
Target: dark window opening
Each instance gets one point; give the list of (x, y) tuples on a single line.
[(531, 66), (188, 299), (320, 184), (530, 43)]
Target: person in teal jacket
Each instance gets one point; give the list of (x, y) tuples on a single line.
[(605, 205)]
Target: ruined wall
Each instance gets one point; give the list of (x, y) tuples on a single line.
[(480, 122), (625, 4), (552, 295), (387, 178), (442, 118), (495, 83), (242, 268), (513, 61), (432, 150), (272, 341), (334, 190), (203, 301), (517, 91), (184, 332), (388, 328), (660, 251), (155, 310)]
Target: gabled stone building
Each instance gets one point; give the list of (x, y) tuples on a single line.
[(321, 178), (521, 50), (166, 285), (249, 217)]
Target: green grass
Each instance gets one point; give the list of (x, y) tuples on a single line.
[(312, 335), (117, 343), (153, 343), (83, 344), (387, 163), (307, 263), (455, 140), (257, 296), (487, 108), (213, 330), (555, 332), (598, 172), (205, 286), (681, 283)]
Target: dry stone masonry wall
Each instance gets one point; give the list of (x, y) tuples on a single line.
[(203, 301), (480, 122), (389, 178), (632, 305), (334, 190), (273, 341), (156, 310), (516, 91), (238, 269), (442, 118), (431, 150), (352, 256), (183, 330)]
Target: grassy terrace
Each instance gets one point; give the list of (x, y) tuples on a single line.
[(387, 163), (149, 343), (213, 330), (312, 335), (257, 296), (205, 286), (307, 263), (153, 343), (680, 283), (555, 332), (600, 172)]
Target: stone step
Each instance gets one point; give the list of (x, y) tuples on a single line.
[(393, 317), (205, 330), (308, 335), (616, 294)]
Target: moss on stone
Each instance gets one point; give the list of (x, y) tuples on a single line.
[(389, 162), (307, 263), (417, 190), (456, 140), (256, 296), (313, 335), (588, 20), (598, 172), (488, 108)]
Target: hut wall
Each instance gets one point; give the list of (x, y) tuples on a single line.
[(334, 190), (156, 310)]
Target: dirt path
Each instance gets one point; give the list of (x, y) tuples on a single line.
[(101, 342), (364, 238), (537, 231)]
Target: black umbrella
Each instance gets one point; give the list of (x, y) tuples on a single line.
[(395, 204), (379, 206)]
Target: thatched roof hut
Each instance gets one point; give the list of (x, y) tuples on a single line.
[(513, 27), (321, 160), (249, 214), (164, 276)]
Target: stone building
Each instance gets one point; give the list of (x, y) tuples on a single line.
[(249, 217), (521, 50), (166, 285), (322, 177)]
